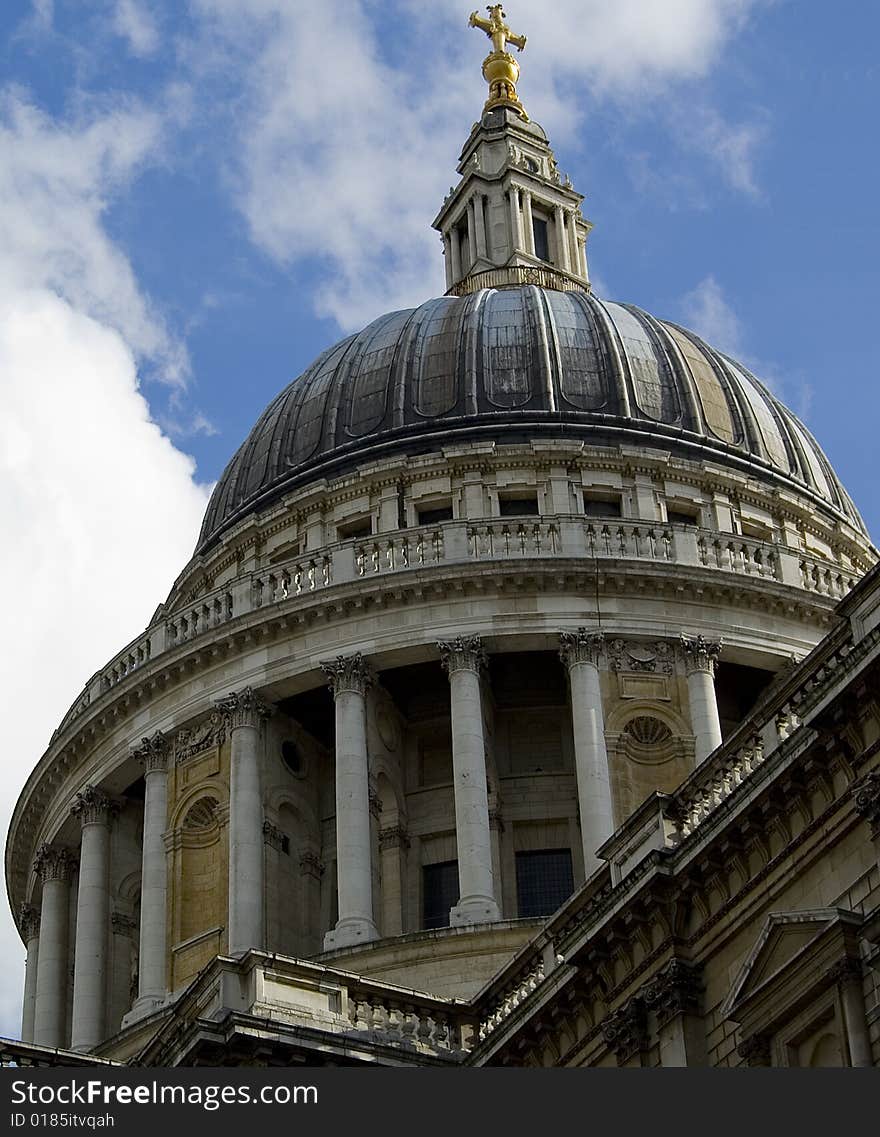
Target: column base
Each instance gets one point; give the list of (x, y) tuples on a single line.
[(142, 1008), (349, 932), (474, 910)]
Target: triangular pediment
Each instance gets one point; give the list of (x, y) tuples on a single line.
[(785, 937)]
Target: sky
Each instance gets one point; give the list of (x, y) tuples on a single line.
[(198, 196)]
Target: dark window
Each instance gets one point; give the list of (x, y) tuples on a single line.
[(434, 515), (543, 881), (680, 517), (361, 528), (542, 244), (291, 757), (597, 507), (518, 506), (285, 845), (439, 893)]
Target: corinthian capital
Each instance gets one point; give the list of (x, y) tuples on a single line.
[(699, 653), (54, 862), (581, 647), (348, 673), (93, 807), (153, 752), (243, 708), (464, 653), (28, 921)]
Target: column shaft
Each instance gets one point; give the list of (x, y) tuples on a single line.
[(50, 1011), (580, 653), (246, 917), (479, 225), (527, 223), (455, 249), (88, 1026), (472, 242), (476, 902), (573, 245), (152, 963), (701, 656), (516, 235), (30, 921), (562, 252), (350, 678)]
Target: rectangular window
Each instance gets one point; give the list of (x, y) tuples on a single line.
[(542, 243), (439, 893), (544, 880), (601, 507), (363, 527), (518, 506), (681, 516), (433, 514)]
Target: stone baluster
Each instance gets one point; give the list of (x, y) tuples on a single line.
[(54, 866), (244, 712), (95, 811), (580, 652), (153, 754), (462, 659), (29, 923), (701, 656), (349, 677)]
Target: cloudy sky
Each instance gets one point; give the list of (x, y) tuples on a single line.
[(196, 196)]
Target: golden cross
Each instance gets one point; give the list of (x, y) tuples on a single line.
[(496, 29)]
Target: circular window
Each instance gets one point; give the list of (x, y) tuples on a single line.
[(201, 814), (647, 730), (291, 756)]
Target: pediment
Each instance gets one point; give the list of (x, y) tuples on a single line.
[(786, 940)]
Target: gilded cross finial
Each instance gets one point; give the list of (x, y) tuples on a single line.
[(500, 69)]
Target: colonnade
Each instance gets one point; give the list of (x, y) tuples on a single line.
[(45, 1012)]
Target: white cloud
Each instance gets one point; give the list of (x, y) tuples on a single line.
[(136, 26), (707, 312), (98, 509), (344, 154)]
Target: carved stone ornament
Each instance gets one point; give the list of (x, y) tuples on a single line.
[(846, 970), (394, 837), (273, 836), (755, 1051), (29, 921), (348, 673), (190, 741), (655, 657), (243, 708), (581, 647), (310, 864), (866, 799), (54, 862), (699, 653), (153, 752), (93, 807), (464, 653), (674, 991), (626, 1031), (123, 925)]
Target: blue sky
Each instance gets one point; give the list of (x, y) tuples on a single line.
[(197, 196)]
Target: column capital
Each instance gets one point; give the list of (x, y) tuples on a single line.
[(394, 837), (699, 653), (94, 807), (581, 647), (153, 752), (54, 862), (28, 921), (755, 1050), (243, 708), (464, 653), (866, 799), (626, 1030), (348, 673), (310, 864), (123, 925), (674, 991)]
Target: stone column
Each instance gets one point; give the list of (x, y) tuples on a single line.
[(574, 256), (562, 252), (393, 846), (847, 975), (674, 997), (516, 233), (349, 678), (462, 659), (153, 753), (455, 248), (244, 712), (527, 223), (701, 656), (472, 236), (54, 865), (580, 652), (447, 258), (95, 811), (480, 224), (29, 923)]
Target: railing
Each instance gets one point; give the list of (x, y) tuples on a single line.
[(509, 999), (409, 1024), (459, 542)]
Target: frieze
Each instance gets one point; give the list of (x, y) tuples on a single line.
[(624, 655), (190, 741)]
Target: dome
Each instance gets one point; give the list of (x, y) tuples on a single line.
[(514, 363)]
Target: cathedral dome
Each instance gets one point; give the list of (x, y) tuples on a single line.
[(512, 364)]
